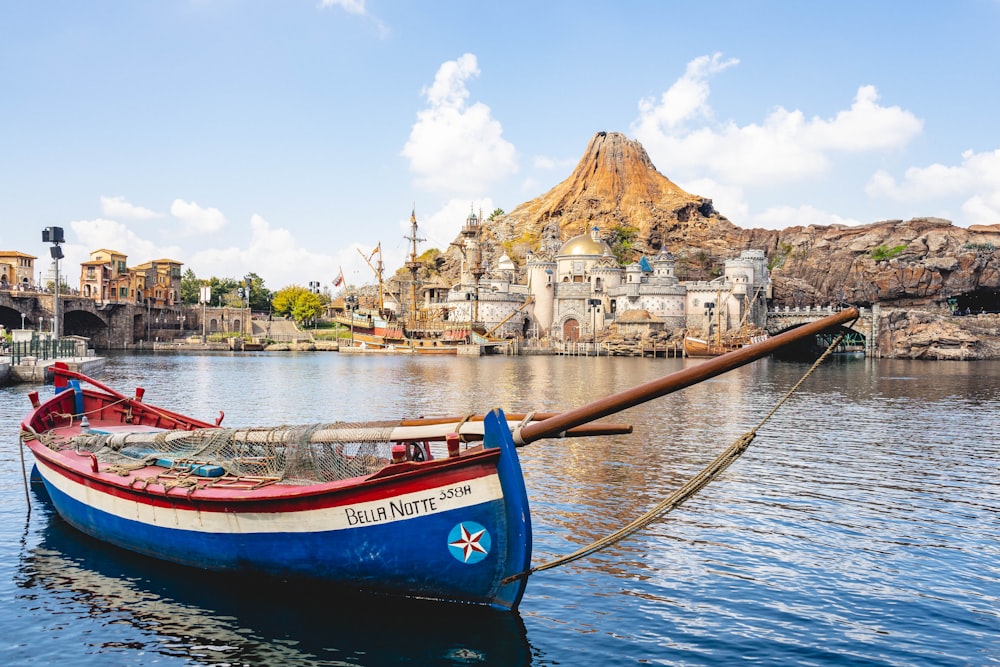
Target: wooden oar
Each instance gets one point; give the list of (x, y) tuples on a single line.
[(608, 405)]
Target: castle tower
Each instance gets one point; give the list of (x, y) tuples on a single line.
[(541, 269)]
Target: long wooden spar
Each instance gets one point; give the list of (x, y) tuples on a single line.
[(608, 405)]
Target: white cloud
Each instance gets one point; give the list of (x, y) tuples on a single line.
[(118, 208), (272, 253), (728, 200), (685, 142), (350, 6), (780, 217), (546, 162), (977, 179), (112, 235), (530, 186), (456, 147), (983, 210), (442, 227), (866, 126), (357, 8), (197, 220), (683, 101)]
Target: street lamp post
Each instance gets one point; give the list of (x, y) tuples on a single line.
[(54, 235), (246, 303), (595, 305), (352, 304), (22, 321), (709, 307), (204, 295)]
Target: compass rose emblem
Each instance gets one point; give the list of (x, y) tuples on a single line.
[(469, 542)]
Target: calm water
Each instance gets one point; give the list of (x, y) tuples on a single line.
[(861, 528)]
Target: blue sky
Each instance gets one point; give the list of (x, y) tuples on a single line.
[(281, 137)]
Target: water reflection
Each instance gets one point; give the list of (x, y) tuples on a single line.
[(859, 527), (147, 606)]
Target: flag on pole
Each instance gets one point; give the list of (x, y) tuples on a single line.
[(413, 215), (340, 279), (374, 251)]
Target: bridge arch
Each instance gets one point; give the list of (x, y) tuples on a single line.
[(11, 318), (854, 343), (84, 323)]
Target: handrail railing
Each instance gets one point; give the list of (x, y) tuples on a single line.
[(41, 348)]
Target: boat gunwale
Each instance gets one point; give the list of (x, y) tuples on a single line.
[(374, 485)]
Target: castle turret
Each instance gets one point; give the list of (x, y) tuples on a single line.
[(541, 271)]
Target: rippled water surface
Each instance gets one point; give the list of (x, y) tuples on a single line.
[(862, 527)]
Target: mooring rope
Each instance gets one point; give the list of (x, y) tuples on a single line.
[(689, 489)]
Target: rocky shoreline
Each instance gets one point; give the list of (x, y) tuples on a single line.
[(905, 333), (900, 333)]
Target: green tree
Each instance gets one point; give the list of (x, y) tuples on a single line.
[(298, 303), (622, 243), (260, 296), (190, 288), (224, 292)]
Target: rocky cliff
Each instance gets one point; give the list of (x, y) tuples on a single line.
[(917, 263)]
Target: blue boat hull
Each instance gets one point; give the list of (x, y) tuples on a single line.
[(454, 530)]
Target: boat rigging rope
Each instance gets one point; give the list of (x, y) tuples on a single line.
[(689, 489)]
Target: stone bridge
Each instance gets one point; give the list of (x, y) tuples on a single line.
[(788, 318), (107, 325)]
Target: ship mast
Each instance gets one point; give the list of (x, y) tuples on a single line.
[(377, 269), (413, 265)]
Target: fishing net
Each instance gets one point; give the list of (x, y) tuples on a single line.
[(306, 454)]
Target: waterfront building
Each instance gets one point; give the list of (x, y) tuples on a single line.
[(17, 270), (160, 282), (576, 289), (105, 278)]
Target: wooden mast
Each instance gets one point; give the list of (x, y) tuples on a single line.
[(377, 269), (413, 265)]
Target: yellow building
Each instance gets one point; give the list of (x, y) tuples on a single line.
[(105, 277), (17, 270), (160, 280)]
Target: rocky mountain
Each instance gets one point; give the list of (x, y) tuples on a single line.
[(917, 263)]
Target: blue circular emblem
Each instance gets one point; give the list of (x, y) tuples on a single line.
[(469, 542)]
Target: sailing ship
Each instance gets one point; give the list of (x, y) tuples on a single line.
[(745, 334), (701, 347), (409, 326)]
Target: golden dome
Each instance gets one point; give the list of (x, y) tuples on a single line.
[(584, 244)]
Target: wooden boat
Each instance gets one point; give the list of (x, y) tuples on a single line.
[(378, 507), (699, 347)]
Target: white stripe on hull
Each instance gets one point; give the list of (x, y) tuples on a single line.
[(435, 500)]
